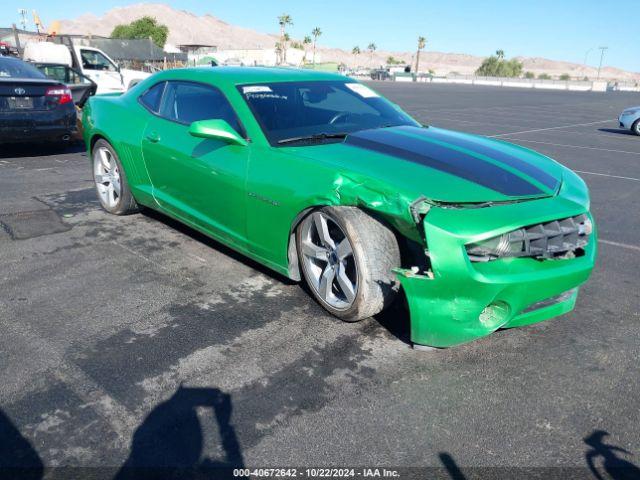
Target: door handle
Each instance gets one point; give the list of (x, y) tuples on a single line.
[(153, 137)]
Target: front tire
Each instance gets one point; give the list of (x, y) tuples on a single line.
[(110, 180), (347, 257), (635, 128)]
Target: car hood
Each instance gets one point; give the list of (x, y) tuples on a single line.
[(442, 165)]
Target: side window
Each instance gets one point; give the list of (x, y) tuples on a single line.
[(185, 103), (93, 60), (151, 98)]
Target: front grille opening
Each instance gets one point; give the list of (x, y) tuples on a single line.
[(559, 239)]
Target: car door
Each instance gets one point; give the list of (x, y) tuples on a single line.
[(101, 69), (198, 180)]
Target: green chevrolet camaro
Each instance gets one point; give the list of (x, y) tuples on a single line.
[(320, 178)]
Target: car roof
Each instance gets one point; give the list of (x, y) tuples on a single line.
[(11, 59), (246, 75)]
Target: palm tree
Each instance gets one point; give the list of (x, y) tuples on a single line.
[(355, 51), (422, 41), (500, 54), (284, 20), (316, 32), (278, 53), (372, 48), (305, 41), (285, 46)]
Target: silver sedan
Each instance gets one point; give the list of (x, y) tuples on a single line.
[(630, 119)]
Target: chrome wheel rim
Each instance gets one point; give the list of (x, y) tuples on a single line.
[(328, 261), (107, 177)]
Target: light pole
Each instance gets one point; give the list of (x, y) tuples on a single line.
[(602, 49), (23, 17)]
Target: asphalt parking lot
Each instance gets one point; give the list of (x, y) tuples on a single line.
[(135, 341)]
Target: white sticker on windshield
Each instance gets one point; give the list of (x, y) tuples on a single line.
[(362, 90), (256, 89)]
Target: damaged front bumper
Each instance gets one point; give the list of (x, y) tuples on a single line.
[(458, 300)]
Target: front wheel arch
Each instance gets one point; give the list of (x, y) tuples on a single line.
[(293, 268), (352, 282), (292, 252)]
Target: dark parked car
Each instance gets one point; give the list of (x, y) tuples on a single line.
[(32, 106)]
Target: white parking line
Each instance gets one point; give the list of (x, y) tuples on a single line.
[(573, 146), (607, 175), (554, 128), (618, 244)]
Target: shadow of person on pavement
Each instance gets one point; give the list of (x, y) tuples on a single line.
[(18, 458), (451, 466), (616, 468), (169, 443)]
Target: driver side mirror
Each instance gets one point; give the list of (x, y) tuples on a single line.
[(216, 130)]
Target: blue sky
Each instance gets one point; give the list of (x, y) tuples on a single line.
[(556, 29)]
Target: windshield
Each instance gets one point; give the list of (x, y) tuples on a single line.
[(14, 68), (304, 112)]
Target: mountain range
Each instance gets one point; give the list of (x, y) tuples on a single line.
[(187, 28)]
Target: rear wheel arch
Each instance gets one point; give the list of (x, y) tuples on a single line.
[(95, 138), (110, 179)]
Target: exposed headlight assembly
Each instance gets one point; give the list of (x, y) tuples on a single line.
[(544, 240), (630, 112)]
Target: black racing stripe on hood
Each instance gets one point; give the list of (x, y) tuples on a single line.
[(444, 159), (519, 164)]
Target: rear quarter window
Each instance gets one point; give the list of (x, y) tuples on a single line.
[(152, 97)]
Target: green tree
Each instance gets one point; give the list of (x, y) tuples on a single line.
[(315, 33), (565, 77), (145, 27), (391, 60), (355, 51), (544, 76), (306, 41), (372, 48), (529, 75), (278, 47), (422, 41), (497, 66), (284, 20), (285, 45)]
